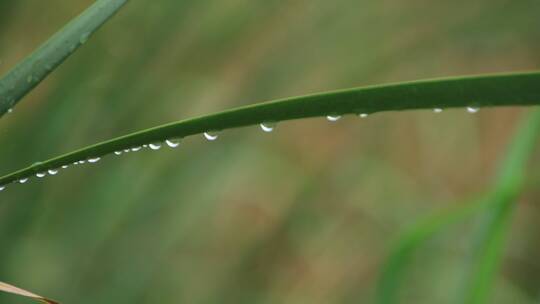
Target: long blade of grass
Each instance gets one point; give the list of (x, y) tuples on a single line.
[(497, 206), (33, 69), (487, 90), (21, 292), (496, 221)]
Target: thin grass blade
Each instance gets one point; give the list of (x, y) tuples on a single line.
[(33, 69), (21, 292), (517, 89)]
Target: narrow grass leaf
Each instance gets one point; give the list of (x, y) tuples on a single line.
[(33, 69), (21, 292), (482, 91)]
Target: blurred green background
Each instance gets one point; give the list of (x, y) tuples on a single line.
[(306, 214)]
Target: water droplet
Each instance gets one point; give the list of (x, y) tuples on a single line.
[(127, 150), (135, 149), (118, 152), (363, 115), (76, 163), (52, 171), (437, 110), (10, 110), (41, 174), (268, 126), (173, 143), (94, 159), (84, 37), (333, 117), (155, 146), (23, 180), (2, 188), (65, 166), (472, 109), (145, 146), (82, 161), (211, 135)]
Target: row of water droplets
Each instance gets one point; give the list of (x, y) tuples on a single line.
[(470, 109), (334, 117), (173, 143), (209, 135)]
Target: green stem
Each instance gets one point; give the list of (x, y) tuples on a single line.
[(33, 69), (481, 91)]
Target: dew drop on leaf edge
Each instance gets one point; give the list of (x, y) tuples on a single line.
[(472, 109), (333, 118), (268, 126), (211, 136), (84, 37), (173, 143), (155, 146)]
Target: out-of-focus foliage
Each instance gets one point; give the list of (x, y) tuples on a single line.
[(305, 214), (494, 209)]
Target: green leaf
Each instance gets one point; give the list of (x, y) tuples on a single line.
[(33, 69), (478, 91)]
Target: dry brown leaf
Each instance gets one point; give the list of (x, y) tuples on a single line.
[(15, 290)]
